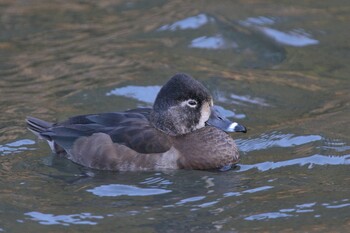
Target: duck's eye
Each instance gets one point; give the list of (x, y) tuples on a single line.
[(192, 103)]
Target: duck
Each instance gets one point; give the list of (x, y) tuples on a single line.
[(183, 130)]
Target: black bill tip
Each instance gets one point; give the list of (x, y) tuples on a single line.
[(221, 122)]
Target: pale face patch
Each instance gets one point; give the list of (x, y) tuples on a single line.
[(205, 114)]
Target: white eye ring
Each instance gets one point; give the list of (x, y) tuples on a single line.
[(191, 103)]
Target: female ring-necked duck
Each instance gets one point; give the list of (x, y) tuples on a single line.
[(181, 131)]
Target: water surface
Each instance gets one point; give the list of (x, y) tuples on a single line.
[(280, 68)]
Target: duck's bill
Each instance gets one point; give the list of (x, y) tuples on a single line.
[(221, 122)]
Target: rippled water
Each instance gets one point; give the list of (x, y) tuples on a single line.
[(280, 68)]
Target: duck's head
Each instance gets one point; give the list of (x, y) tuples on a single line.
[(184, 105)]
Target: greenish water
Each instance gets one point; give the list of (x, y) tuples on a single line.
[(279, 67)]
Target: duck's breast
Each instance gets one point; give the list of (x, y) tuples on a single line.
[(206, 148)]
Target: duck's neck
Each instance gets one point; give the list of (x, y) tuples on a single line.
[(170, 123)]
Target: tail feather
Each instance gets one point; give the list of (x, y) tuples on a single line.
[(42, 129), (38, 126)]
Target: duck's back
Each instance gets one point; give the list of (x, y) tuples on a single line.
[(131, 129)]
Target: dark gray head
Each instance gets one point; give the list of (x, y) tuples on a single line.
[(182, 106)]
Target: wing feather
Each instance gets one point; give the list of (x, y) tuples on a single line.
[(131, 128)]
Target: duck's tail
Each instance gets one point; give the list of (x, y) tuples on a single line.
[(38, 126)]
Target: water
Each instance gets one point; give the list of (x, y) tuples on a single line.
[(280, 68)]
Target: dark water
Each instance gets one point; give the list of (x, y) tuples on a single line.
[(279, 67)]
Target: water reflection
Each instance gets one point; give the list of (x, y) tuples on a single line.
[(65, 220), (271, 215), (16, 146), (212, 42), (208, 203), (52, 51), (190, 199), (114, 190), (262, 20), (296, 38), (305, 208), (193, 22), (215, 33), (254, 190), (336, 144), (145, 94), (156, 180), (251, 100), (337, 204), (310, 160), (275, 139)]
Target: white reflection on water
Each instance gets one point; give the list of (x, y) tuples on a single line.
[(212, 42), (337, 204), (250, 100), (311, 160), (193, 22), (271, 215), (114, 190), (296, 38), (306, 205), (65, 220), (146, 94), (242, 100), (156, 180), (209, 203), (258, 21), (275, 139), (254, 190), (16, 146), (190, 199), (298, 209), (336, 144)]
